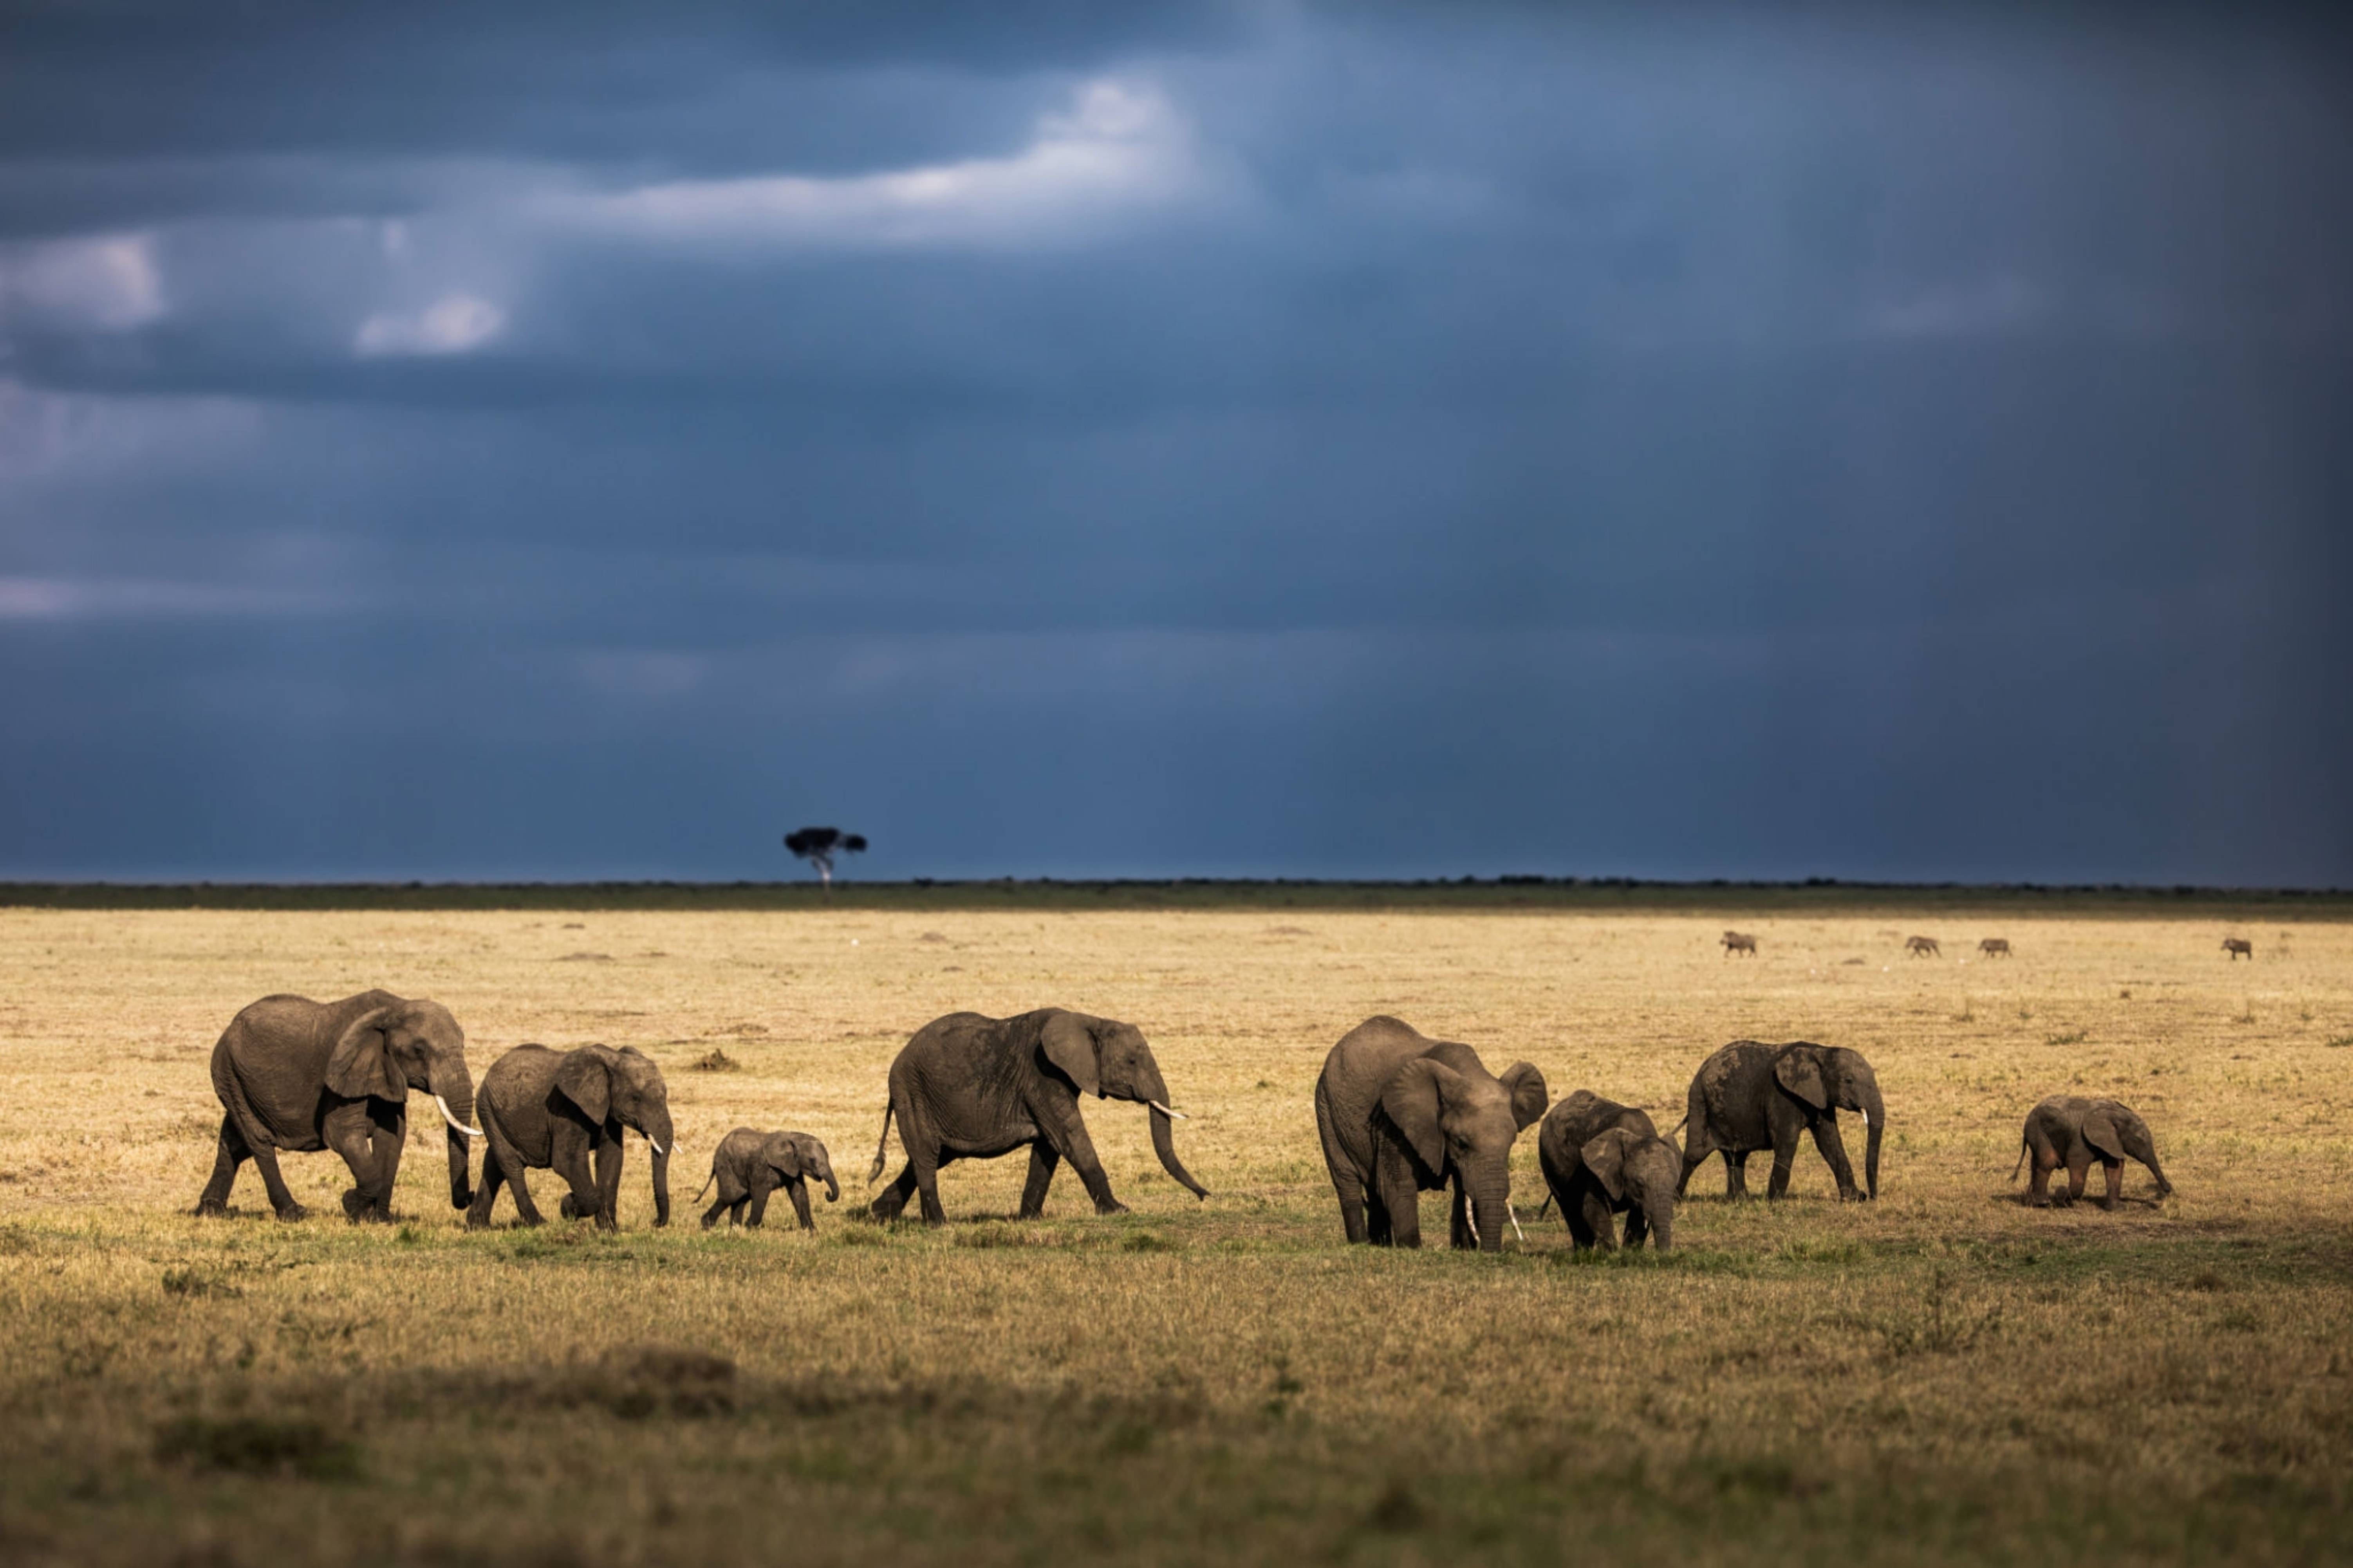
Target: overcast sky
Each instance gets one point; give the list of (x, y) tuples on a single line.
[(1060, 438)]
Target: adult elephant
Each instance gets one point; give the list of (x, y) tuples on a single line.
[(1402, 1115), (2072, 1130), (1601, 1159), (301, 1076), (972, 1088), (750, 1164), (567, 1111), (1749, 1096)]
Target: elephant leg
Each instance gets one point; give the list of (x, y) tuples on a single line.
[(230, 1153), (1637, 1227), (797, 1189), (1593, 1219), (892, 1200), (1400, 1197), (367, 1134), (1043, 1163), (1736, 1174), (2040, 1194), (725, 1203), (265, 1160), (1458, 1235), (607, 1160), (1379, 1229), (2113, 1169), (1785, 1160), (762, 1183), (1080, 1150), (486, 1196), (1834, 1153), (2079, 1168), (568, 1157)]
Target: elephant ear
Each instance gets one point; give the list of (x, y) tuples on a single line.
[(1415, 1100), (1800, 1072), (587, 1082), (783, 1155), (1069, 1045), (2100, 1132), (1605, 1155), (1526, 1088), (361, 1066)]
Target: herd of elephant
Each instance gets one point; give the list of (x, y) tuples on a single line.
[(1398, 1115)]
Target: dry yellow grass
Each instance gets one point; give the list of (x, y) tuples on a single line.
[(1943, 1375)]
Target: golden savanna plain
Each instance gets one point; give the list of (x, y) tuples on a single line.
[(1942, 1375)]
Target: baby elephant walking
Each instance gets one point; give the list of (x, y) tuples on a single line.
[(749, 1164), (2071, 1130)]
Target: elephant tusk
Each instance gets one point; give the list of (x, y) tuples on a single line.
[(468, 1131), (658, 1148), (1164, 1110), (1472, 1220), (1515, 1222)]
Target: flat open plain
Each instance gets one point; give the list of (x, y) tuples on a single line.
[(1943, 1375)]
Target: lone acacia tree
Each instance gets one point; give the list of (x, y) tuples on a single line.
[(819, 846)]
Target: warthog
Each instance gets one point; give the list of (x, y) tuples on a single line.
[(2235, 945), (1922, 947), (1739, 942), (1995, 947)]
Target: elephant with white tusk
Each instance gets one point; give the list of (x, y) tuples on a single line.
[(1749, 1096), (300, 1075), (972, 1088), (1402, 1115), (567, 1111)]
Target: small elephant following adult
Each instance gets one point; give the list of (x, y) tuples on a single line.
[(301, 1076), (750, 1164), (1749, 1096), (2072, 1130), (967, 1087), (1601, 1159), (1400, 1115), (568, 1111)]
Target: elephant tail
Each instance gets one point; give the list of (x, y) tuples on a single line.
[(1679, 1125), (708, 1180), (2024, 1148), (882, 1145)]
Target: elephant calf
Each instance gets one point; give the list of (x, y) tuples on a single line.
[(2071, 1130), (1750, 1096), (564, 1111), (749, 1164), (1402, 1115), (1601, 1159)]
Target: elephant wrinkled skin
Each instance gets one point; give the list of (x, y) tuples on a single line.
[(564, 1111), (1749, 1096), (2072, 1130), (1402, 1115), (1600, 1159), (300, 1075), (971, 1087), (749, 1164)]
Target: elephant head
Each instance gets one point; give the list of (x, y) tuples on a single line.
[(2115, 1131), (386, 1051), (1110, 1059), (1638, 1171), (1459, 1121), (797, 1156), (1833, 1076), (623, 1086)]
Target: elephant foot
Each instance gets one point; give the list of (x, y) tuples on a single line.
[(565, 1207), (211, 1208), (477, 1222), (293, 1211), (2038, 1203), (1112, 1206)]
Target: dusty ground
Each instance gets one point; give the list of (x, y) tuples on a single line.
[(1943, 1375)]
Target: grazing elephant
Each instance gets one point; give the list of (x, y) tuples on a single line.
[(1601, 1159), (1400, 1115), (1748, 1097), (749, 1164), (546, 1110), (300, 1075), (969, 1088), (2071, 1130), (1922, 947), (1739, 942)]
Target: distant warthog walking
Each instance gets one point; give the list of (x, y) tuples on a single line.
[(1922, 947), (1739, 942), (1995, 947), (2236, 945)]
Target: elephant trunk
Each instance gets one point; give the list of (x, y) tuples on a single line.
[(1876, 1110), (455, 1092), (658, 1134), (1163, 1144), (1659, 1214), (832, 1187)]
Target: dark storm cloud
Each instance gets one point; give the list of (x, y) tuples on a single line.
[(1143, 439)]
